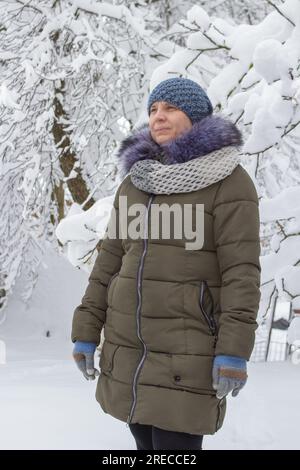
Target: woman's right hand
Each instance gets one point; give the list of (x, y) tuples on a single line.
[(83, 354)]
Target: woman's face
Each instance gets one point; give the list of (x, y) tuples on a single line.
[(167, 122)]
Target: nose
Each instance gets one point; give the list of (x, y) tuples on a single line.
[(159, 114)]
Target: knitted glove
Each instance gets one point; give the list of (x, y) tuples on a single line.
[(83, 354), (229, 374)]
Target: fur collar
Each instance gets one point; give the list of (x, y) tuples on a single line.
[(210, 134)]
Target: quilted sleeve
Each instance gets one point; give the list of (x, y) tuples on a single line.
[(89, 316), (236, 235)]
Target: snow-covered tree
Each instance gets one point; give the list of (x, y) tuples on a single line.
[(72, 76), (260, 90), (74, 79), (257, 85)]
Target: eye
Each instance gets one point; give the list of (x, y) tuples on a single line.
[(168, 106)]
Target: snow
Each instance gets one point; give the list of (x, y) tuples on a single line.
[(252, 79), (263, 134), (197, 40), (251, 107), (31, 76), (8, 98), (273, 60), (220, 86), (269, 114), (55, 408), (260, 77), (285, 258), (30, 176), (114, 11), (80, 231), (223, 26), (256, 81), (291, 10), (199, 16), (45, 403), (296, 302), (79, 224), (294, 330), (237, 102), (282, 206), (264, 57), (291, 277)]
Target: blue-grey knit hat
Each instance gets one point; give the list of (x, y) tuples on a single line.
[(185, 94)]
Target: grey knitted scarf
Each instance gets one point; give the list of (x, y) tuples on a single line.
[(201, 156), (155, 177)]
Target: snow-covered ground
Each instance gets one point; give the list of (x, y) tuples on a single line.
[(45, 403)]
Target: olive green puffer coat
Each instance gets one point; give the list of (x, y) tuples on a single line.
[(167, 311)]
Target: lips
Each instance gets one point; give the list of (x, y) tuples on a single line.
[(162, 129)]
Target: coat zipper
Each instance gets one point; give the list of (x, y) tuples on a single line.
[(138, 311), (209, 318)]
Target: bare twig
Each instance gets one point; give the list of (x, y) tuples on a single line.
[(280, 12)]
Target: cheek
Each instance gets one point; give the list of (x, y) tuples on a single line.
[(174, 122), (174, 127)]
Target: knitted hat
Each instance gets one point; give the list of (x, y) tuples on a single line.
[(185, 94)]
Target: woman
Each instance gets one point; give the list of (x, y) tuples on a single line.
[(179, 323)]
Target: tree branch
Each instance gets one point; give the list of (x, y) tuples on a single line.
[(273, 145), (280, 12)]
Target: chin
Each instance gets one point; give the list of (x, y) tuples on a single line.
[(163, 139)]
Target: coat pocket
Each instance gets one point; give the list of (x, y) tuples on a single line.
[(107, 356), (206, 304), (192, 372)]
